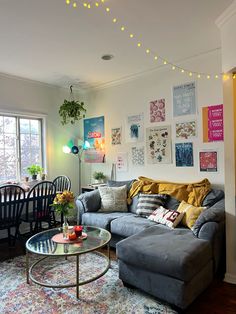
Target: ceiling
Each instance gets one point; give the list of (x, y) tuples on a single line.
[(52, 42)]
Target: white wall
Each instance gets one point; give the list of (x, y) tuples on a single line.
[(25, 96), (133, 96), (227, 25)]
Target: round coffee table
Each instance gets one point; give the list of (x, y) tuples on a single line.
[(42, 244)]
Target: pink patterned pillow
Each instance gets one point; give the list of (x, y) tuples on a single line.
[(168, 217)]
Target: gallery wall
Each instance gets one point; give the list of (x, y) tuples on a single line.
[(133, 96)]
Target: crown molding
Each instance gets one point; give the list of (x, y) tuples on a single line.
[(226, 15)]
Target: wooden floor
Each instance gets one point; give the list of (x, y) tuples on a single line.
[(219, 298)]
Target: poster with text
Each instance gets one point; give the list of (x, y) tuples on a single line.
[(157, 110), (184, 154), (184, 99), (122, 162), (185, 130), (213, 123), (137, 154), (208, 161), (159, 145), (94, 134), (134, 128), (116, 136)]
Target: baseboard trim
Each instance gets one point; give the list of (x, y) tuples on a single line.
[(230, 278)]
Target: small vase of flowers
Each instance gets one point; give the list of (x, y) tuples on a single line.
[(62, 204)]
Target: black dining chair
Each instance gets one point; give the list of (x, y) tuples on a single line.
[(12, 198), (38, 206), (62, 183)]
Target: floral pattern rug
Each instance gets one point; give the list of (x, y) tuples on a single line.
[(106, 295)]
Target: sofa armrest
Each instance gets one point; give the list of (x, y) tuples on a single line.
[(214, 232), (80, 210), (216, 213)]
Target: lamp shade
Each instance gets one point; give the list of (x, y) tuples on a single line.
[(75, 150)]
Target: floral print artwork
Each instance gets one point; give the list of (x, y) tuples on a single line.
[(185, 130), (157, 110)]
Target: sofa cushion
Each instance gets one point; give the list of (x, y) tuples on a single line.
[(173, 252), (113, 198), (172, 203), (91, 201), (101, 219), (191, 213), (168, 217), (133, 206), (127, 226), (147, 203)]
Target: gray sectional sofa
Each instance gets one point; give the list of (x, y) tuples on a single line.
[(174, 265)]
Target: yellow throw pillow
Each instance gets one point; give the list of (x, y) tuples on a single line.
[(191, 213)]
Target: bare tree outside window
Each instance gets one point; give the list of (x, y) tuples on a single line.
[(20, 146)]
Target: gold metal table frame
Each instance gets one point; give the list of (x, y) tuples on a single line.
[(29, 269)]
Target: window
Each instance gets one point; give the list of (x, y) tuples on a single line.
[(20, 146)]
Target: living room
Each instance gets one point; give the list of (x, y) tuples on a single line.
[(51, 45)]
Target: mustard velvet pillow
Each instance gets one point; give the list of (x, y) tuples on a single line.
[(191, 213)]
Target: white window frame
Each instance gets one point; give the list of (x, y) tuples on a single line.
[(43, 139)]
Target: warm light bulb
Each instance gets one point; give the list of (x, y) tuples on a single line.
[(96, 4), (74, 5), (216, 76), (208, 77), (182, 71), (139, 44), (89, 6), (102, 1), (108, 9), (173, 67), (156, 57), (114, 20), (199, 76), (67, 1), (234, 76), (147, 50), (190, 74), (122, 28), (165, 62), (131, 35), (85, 5), (66, 149)]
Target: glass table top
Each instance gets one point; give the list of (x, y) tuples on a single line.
[(41, 243)]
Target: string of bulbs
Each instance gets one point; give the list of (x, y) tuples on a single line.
[(155, 56)]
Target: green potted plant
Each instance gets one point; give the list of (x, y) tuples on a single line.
[(71, 110), (99, 176), (34, 170)]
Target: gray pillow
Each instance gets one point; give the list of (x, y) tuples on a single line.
[(133, 206), (91, 201), (128, 183), (172, 203), (213, 197)]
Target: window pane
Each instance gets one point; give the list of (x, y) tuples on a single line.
[(10, 141), (35, 127), (24, 126), (10, 125)]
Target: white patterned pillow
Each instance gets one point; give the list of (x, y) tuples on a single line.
[(147, 203), (168, 217), (113, 198)]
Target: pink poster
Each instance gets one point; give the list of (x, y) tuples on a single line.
[(157, 110), (213, 123)]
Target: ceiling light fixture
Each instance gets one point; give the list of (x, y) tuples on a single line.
[(107, 57)]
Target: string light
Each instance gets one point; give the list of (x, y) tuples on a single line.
[(89, 4)]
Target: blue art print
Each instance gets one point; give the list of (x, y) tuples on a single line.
[(134, 128), (184, 154), (184, 99)]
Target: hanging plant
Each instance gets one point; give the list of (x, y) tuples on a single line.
[(71, 110)]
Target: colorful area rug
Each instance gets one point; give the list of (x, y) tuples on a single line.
[(106, 295)]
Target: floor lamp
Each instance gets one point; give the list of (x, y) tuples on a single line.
[(77, 150)]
